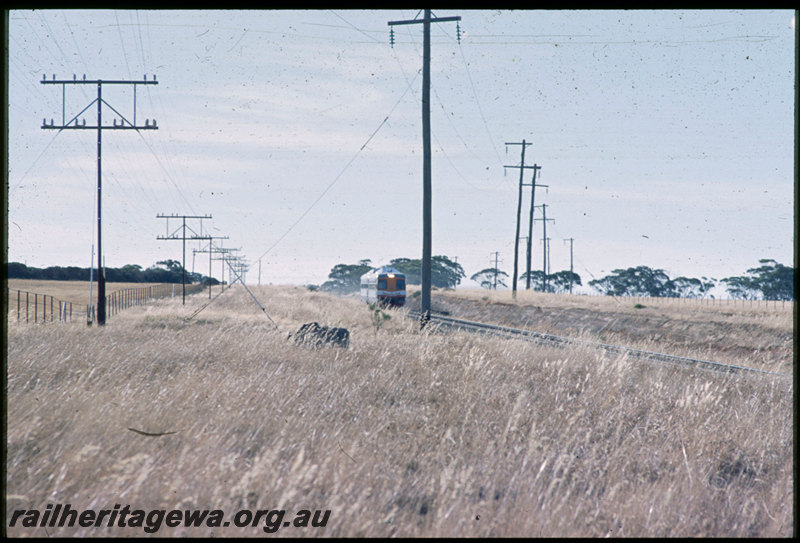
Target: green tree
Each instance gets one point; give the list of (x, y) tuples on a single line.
[(741, 288), (412, 269), (561, 281), (770, 281), (691, 287), (537, 280), (638, 281), (489, 278), (170, 265), (445, 273), (556, 282), (346, 278)]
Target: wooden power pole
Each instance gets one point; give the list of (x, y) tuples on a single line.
[(426, 154), (174, 236), (522, 167), (75, 124)]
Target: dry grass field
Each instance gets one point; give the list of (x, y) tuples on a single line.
[(404, 433), (76, 292), (755, 334)]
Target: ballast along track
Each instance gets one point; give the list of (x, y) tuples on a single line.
[(560, 341)]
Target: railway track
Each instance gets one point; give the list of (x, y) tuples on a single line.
[(551, 340)]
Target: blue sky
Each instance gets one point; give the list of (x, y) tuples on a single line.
[(666, 137)]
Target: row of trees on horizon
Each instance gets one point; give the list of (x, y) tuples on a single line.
[(769, 281), (164, 271)]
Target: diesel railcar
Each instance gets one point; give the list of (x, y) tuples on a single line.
[(385, 286)]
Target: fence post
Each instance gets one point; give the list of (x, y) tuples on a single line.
[(35, 308), (18, 304)]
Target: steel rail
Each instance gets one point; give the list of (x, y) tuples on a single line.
[(561, 341)]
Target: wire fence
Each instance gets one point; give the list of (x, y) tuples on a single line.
[(721, 302), (31, 307), (662, 301)]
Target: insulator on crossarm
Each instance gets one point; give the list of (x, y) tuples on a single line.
[(74, 77), (44, 77), (84, 77), (154, 77), (147, 122), (54, 77), (145, 77), (51, 122), (154, 123)]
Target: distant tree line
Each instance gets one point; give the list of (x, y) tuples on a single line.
[(563, 281), (346, 278), (165, 271), (770, 281)]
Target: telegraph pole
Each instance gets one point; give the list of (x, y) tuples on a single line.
[(73, 124), (544, 220), (570, 262), (173, 236), (225, 251), (211, 250), (426, 154), (529, 251), (546, 244), (522, 167), (494, 285)]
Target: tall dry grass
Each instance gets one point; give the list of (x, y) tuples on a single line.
[(403, 434), (759, 336)]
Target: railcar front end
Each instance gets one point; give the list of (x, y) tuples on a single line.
[(385, 286)]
